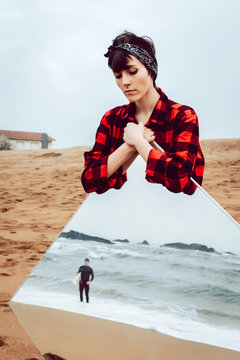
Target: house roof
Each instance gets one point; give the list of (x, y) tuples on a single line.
[(24, 135)]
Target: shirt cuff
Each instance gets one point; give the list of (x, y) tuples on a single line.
[(155, 166)]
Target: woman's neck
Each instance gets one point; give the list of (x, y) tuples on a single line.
[(146, 104)]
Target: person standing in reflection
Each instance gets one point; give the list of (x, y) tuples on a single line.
[(135, 128), (86, 271)]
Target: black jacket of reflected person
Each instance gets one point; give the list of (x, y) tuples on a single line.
[(86, 271)]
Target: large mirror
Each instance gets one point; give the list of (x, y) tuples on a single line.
[(165, 265)]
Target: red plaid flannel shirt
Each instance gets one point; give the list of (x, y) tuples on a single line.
[(176, 130)]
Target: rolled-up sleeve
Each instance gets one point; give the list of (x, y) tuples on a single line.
[(174, 168), (94, 175)]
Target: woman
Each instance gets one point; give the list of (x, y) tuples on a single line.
[(126, 131)]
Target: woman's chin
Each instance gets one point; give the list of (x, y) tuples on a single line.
[(131, 96)]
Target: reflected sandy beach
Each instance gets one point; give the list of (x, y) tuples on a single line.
[(74, 337)]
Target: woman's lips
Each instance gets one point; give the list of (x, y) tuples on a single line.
[(129, 91)]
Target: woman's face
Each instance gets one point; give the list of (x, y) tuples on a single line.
[(136, 78)]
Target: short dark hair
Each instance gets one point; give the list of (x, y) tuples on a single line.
[(86, 259), (118, 58)]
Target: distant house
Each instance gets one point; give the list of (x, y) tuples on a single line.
[(22, 140)]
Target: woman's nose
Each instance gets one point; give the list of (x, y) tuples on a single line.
[(125, 79)]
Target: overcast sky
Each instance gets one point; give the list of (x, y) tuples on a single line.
[(55, 79)]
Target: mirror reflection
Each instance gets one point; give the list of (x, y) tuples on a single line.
[(162, 262)]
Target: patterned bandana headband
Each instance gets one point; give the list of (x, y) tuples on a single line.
[(141, 54)]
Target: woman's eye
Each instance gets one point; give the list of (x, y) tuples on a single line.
[(131, 72)]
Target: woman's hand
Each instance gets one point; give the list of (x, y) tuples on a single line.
[(148, 135), (133, 133)]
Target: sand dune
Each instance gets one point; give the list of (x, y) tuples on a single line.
[(222, 173), (40, 190)]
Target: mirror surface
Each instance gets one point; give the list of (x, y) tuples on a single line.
[(162, 261)]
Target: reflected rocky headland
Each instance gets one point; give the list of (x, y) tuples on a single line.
[(75, 235)]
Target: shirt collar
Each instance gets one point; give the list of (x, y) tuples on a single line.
[(158, 112)]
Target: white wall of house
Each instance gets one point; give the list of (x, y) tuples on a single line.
[(27, 144), (3, 138)]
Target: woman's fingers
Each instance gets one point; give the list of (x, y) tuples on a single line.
[(148, 131), (132, 132), (148, 134)]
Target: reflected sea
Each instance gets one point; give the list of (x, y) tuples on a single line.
[(188, 294)]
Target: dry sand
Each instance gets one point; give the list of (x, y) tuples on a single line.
[(40, 190)]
